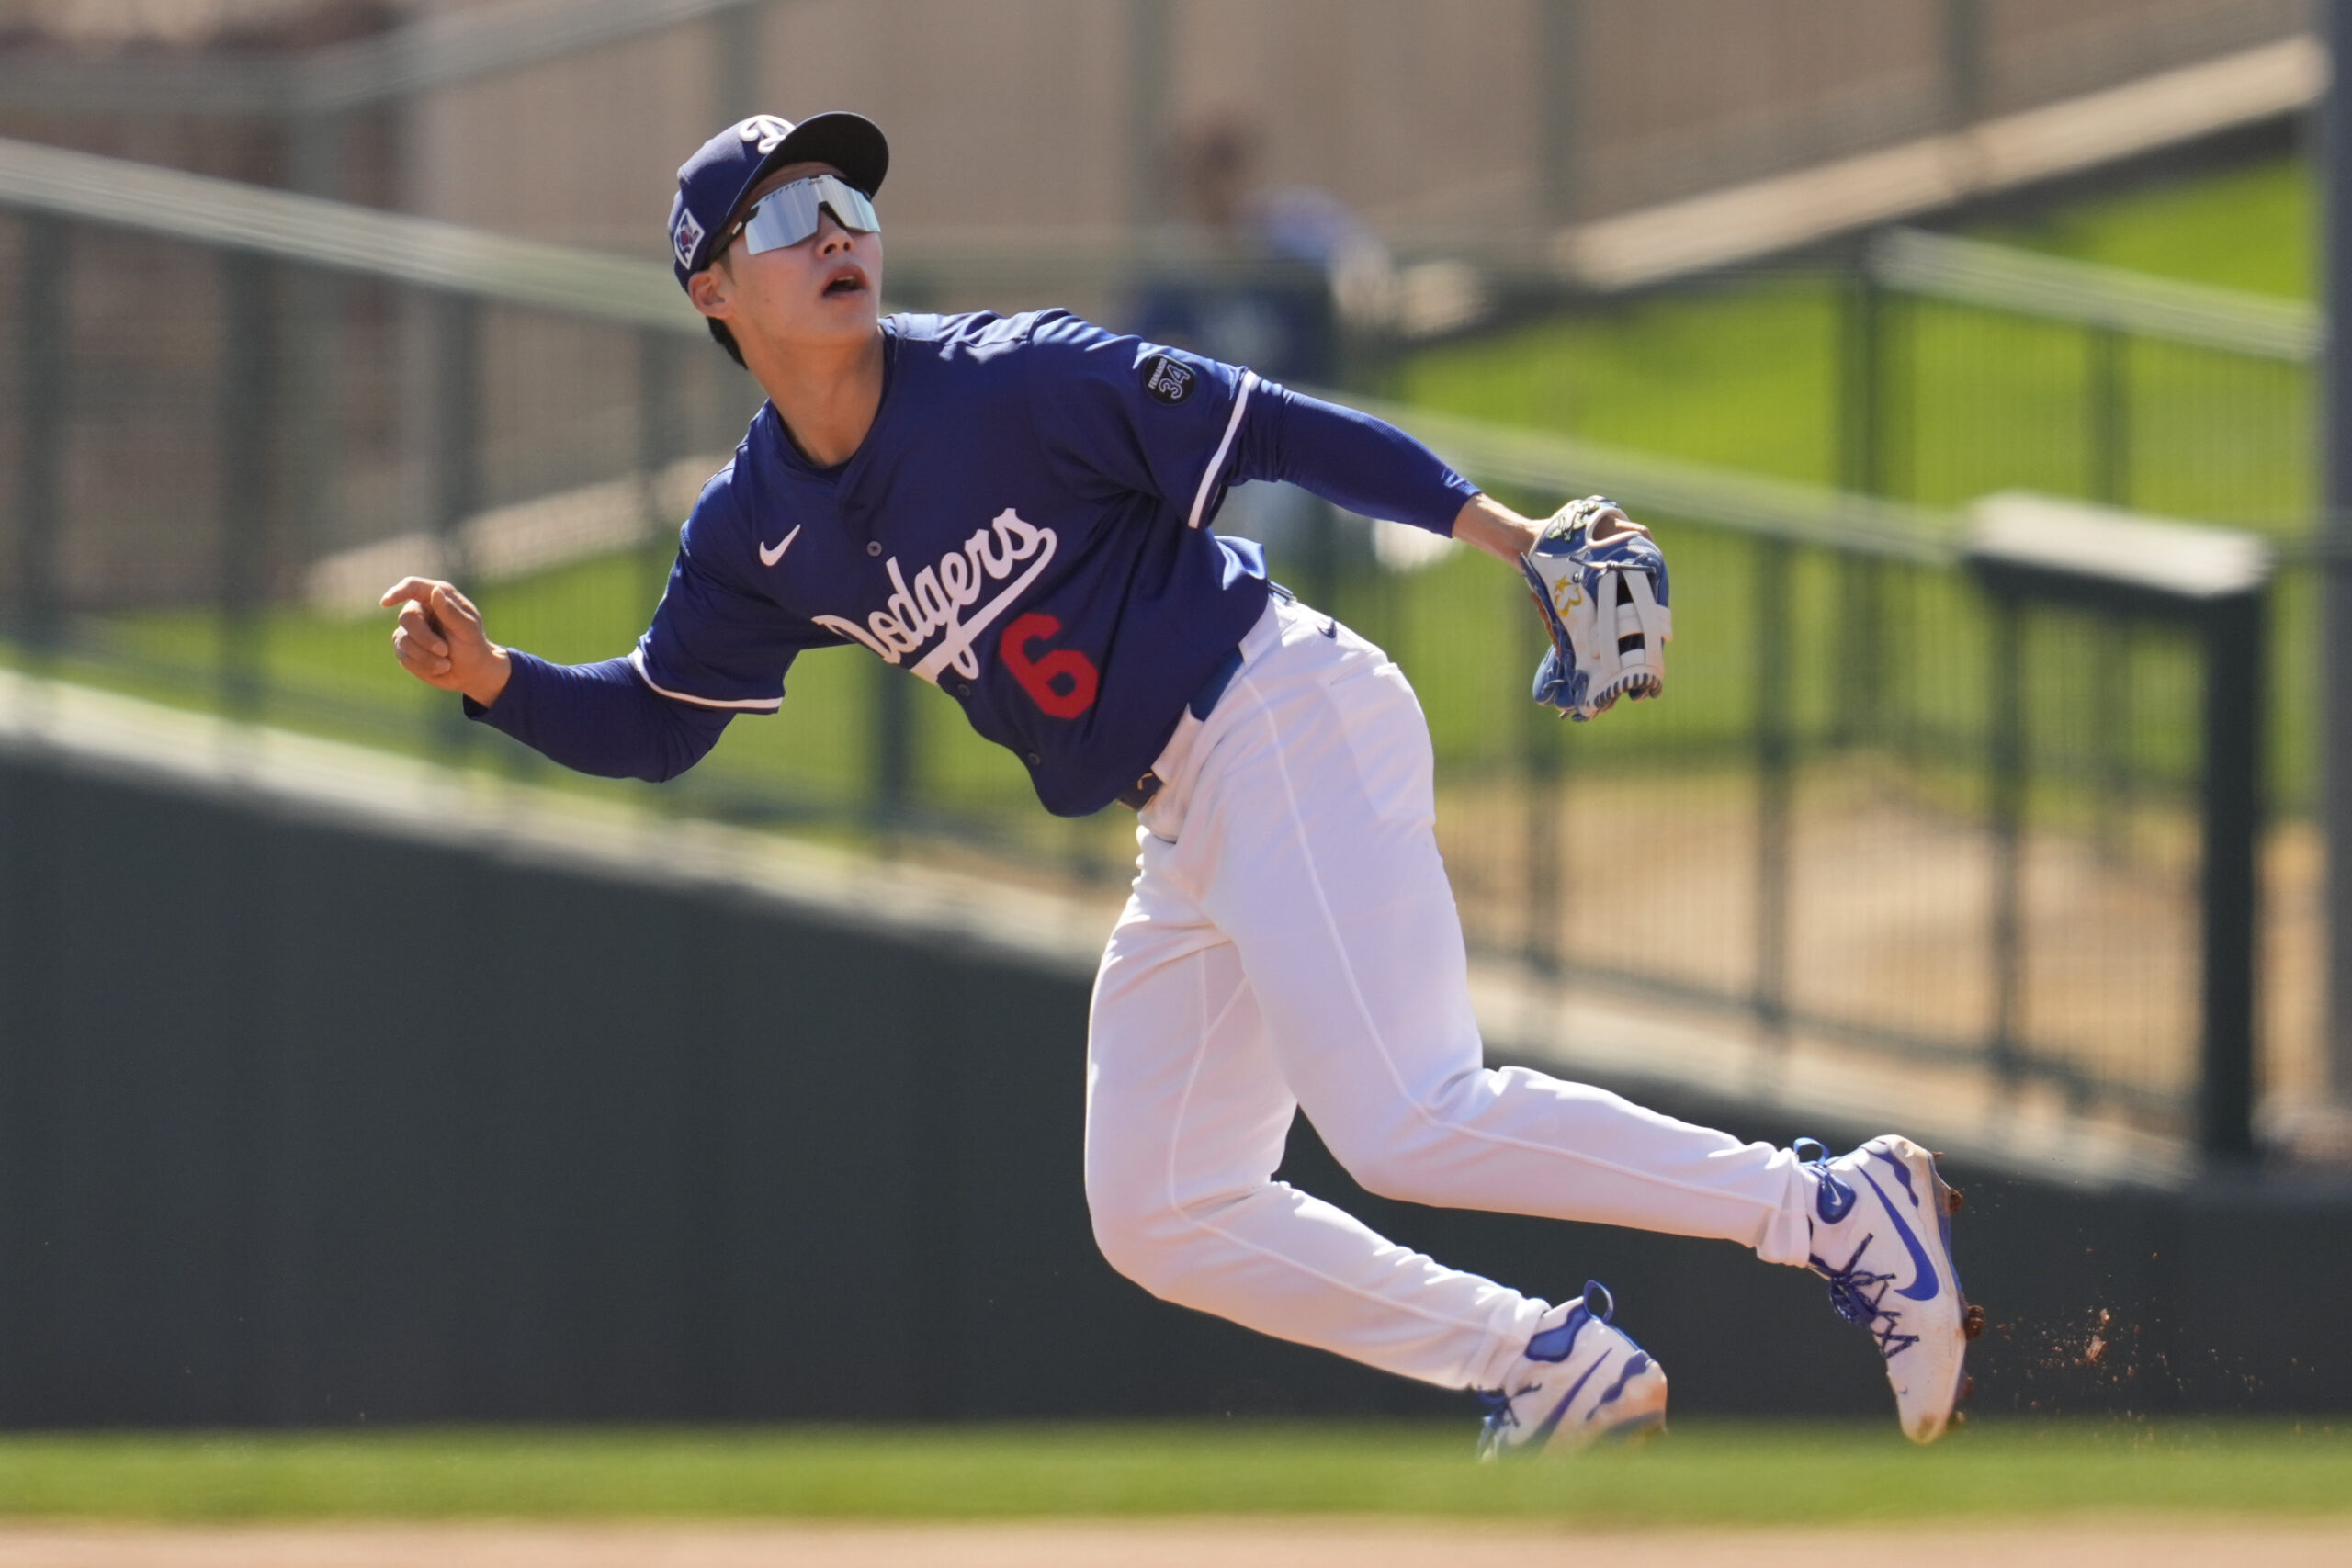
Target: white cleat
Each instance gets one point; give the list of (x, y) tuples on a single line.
[(1882, 1236), (1579, 1380)]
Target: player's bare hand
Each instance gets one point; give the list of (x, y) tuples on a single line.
[(439, 639)]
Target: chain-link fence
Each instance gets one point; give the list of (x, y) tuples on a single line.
[(1877, 816), (1931, 371)]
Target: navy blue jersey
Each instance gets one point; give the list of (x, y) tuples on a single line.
[(1027, 525)]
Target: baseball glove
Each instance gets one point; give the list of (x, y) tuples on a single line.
[(1605, 606)]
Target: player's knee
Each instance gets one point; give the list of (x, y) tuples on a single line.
[(1381, 1157), (1387, 1170), (1404, 1155), (1140, 1252), (1134, 1237)]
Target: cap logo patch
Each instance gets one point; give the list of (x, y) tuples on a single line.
[(766, 130), (685, 235), (1164, 379)]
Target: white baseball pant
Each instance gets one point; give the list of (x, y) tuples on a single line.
[(1291, 941)]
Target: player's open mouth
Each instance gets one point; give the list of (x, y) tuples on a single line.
[(848, 280)]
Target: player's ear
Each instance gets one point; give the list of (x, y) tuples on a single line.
[(712, 290)]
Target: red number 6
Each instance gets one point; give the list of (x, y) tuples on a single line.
[(1063, 682)]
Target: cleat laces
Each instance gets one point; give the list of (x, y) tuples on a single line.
[(1852, 1296), (1498, 1406)]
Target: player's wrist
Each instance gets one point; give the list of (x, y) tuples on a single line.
[(485, 687), (1495, 528)]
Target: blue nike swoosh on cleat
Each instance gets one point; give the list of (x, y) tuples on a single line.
[(1901, 1174), (1543, 1433), (1924, 1287), (1832, 1198), (1634, 1369)]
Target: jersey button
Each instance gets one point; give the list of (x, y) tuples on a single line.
[(872, 546), (1035, 760), (963, 688)]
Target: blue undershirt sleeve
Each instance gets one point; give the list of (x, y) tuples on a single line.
[(1350, 459), (600, 718)]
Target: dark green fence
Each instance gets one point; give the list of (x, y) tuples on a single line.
[(274, 1151)]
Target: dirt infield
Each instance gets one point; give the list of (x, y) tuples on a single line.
[(2141, 1542)]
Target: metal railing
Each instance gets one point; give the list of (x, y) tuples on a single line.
[(2098, 299), (225, 397), (432, 52), (305, 231), (2130, 365)]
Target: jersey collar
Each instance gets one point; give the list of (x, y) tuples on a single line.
[(797, 461)]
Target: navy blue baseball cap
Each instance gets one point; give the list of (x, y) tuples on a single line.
[(716, 178)]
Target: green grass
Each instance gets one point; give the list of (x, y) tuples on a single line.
[(2251, 228), (1739, 374), (1705, 1472), (1743, 371)]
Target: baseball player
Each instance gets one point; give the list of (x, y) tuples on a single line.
[(1019, 510)]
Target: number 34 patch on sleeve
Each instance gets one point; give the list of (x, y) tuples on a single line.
[(1166, 379)]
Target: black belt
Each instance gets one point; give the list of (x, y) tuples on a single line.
[(1137, 795)]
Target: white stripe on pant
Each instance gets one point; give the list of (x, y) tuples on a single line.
[(1291, 941)]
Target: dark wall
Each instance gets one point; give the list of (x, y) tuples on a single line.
[(302, 1120)]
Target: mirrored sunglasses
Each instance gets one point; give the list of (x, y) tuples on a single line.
[(790, 213)]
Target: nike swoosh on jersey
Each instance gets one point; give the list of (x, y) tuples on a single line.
[(769, 556), (1923, 1286)]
